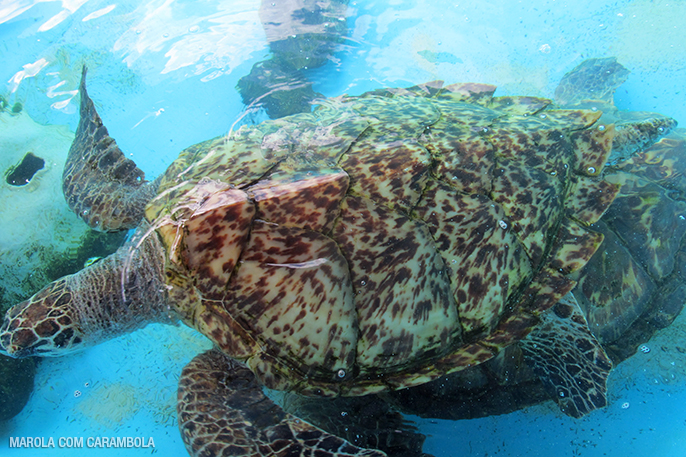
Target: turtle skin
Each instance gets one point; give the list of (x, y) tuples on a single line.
[(378, 243)]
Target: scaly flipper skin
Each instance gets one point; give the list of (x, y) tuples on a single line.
[(222, 411), (569, 359), (369, 422), (107, 190), (592, 85), (592, 79)]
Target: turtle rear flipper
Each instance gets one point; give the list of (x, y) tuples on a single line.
[(107, 190), (223, 411), (369, 421), (568, 359)]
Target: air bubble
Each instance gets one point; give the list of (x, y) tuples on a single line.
[(594, 109), (591, 170), (77, 393), (644, 349), (542, 116), (363, 283), (601, 128), (660, 129), (502, 224), (625, 405), (341, 373)]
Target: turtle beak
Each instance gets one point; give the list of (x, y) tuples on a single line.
[(39, 327), (15, 343)]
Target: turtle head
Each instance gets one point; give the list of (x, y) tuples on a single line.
[(43, 325), (111, 297)]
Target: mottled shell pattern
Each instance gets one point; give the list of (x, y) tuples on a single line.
[(636, 282), (383, 240)]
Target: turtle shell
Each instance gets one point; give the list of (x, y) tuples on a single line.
[(385, 239), (636, 283), (633, 286)]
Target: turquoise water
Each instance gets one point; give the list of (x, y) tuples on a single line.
[(163, 75)]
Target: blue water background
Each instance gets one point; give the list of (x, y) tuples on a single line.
[(163, 76)]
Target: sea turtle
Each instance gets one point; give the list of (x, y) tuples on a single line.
[(302, 35), (378, 243), (633, 286)]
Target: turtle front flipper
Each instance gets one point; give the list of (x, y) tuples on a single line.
[(104, 188), (592, 85), (223, 411), (568, 359), (593, 79)]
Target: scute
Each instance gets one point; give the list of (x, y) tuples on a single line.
[(204, 236), (390, 171), (244, 157), (640, 261), (405, 308), (292, 292), (485, 260), (306, 198), (464, 156)]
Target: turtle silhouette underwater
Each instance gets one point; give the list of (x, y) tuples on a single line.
[(633, 286), (377, 243)]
